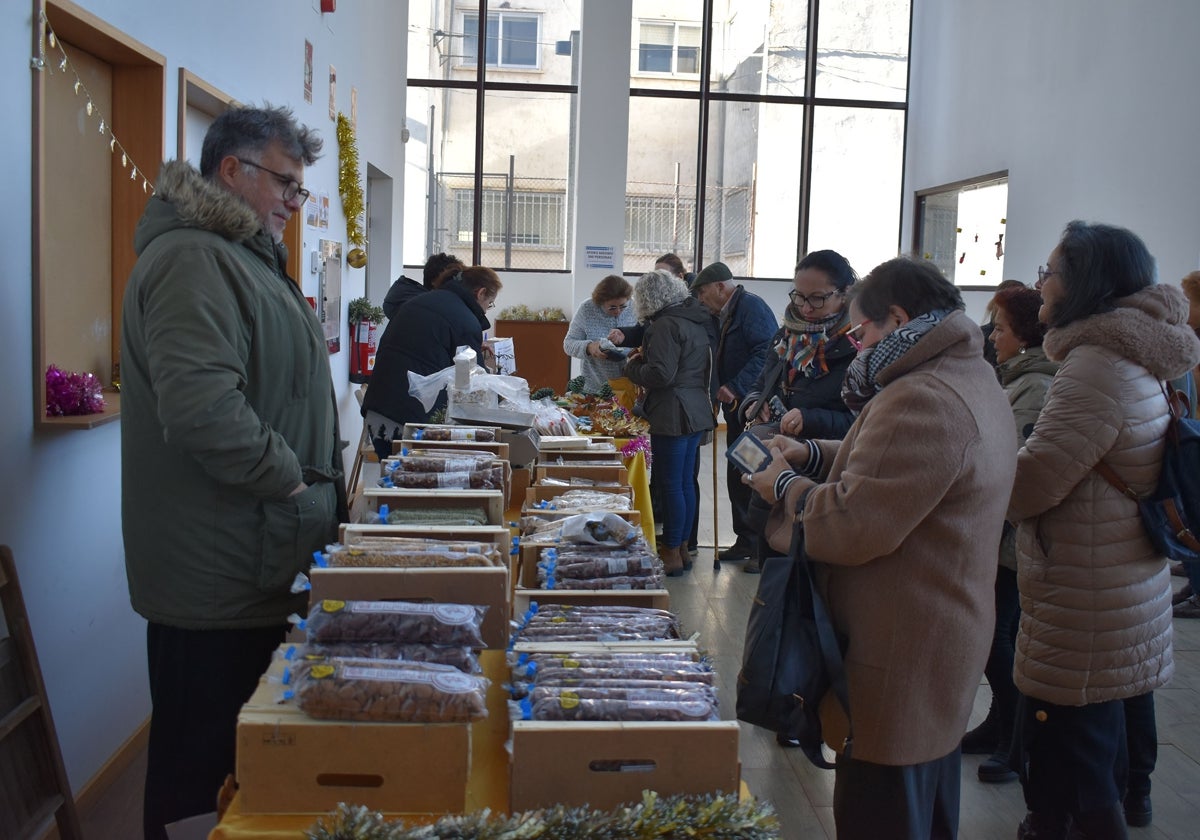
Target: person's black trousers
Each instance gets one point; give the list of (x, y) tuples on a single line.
[(907, 802), (199, 680), (1141, 740)]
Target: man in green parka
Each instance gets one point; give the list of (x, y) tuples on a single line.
[(230, 452)]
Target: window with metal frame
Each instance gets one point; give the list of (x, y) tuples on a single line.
[(669, 47), (537, 218), (511, 40)]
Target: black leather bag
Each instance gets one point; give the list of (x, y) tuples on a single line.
[(792, 657)]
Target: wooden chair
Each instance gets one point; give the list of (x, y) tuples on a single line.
[(34, 790)]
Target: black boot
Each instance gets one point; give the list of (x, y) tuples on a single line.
[(984, 738), (1138, 811), (997, 767)]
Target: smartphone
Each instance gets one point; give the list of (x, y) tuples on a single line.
[(748, 453), (777, 408)]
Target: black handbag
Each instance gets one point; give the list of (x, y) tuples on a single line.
[(792, 656)]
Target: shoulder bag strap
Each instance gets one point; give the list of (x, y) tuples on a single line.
[(1177, 406)]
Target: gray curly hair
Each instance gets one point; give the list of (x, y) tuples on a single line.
[(656, 290)]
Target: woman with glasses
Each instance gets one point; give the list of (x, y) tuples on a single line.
[(423, 338), (1095, 624), (799, 392), (587, 338)]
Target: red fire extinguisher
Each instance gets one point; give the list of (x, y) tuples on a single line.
[(364, 343)]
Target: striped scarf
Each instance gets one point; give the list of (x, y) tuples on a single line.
[(803, 345)]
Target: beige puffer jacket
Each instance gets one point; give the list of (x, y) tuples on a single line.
[(1095, 596)]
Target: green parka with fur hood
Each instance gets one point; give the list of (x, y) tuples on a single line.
[(227, 404)]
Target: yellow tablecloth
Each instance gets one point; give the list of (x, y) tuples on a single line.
[(639, 480)]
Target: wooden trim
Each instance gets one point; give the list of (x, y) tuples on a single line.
[(196, 93), (137, 118), (97, 787)]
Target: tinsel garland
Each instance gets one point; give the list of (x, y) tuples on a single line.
[(70, 394), (641, 443), (349, 185), (661, 818)]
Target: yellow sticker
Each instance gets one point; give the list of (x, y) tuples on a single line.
[(333, 606), (320, 672), (568, 699), (570, 663), (559, 619)]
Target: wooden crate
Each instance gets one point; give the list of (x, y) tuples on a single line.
[(587, 474), (545, 492), (550, 457), (492, 501), (484, 585), (606, 764), (505, 485), (290, 763), (498, 534), (500, 450)]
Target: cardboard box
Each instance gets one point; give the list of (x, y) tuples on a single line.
[(588, 474), (289, 763), (606, 764), (485, 585), (492, 501), (522, 445)]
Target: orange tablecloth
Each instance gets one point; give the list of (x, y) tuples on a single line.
[(487, 786)]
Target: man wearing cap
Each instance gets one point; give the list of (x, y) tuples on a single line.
[(747, 326)]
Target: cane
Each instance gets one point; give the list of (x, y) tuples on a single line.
[(716, 523)]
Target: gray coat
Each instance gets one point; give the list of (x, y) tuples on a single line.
[(674, 369)]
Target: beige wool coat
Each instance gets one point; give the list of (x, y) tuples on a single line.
[(904, 530), (1095, 595)]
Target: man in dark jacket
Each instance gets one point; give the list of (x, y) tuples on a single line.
[(746, 328), (230, 453), (423, 338), (405, 288)]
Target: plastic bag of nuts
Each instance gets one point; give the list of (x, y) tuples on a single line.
[(395, 621), (388, 691)]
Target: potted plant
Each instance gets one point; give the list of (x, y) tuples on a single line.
[(365, 318)]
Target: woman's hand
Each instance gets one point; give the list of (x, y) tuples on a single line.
[(593, 350), (795, 452), (792, 423), (616, 337), (763, 481)]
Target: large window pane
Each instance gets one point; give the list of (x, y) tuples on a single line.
[(660, 191), (857, 166), (666, 44), (440, 158), (751, 208), (862, 49), (759, 48), (525, 180)]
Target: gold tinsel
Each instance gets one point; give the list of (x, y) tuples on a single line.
[(349, 187)]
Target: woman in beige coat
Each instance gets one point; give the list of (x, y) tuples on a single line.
[(904, 531), (1095, 595)]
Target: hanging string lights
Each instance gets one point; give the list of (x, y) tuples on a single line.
[(50, 43)]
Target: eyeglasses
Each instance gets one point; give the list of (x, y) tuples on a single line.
[(291, 187), (854, 340), (1044, 273), (812, 301), (616, 308)]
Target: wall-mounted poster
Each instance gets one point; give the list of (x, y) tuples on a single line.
[(332, 93), (308, 74), (323, 212), (312, 213), (329, 310)]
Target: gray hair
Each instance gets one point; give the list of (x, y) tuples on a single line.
[(656, 290), (246, 130)]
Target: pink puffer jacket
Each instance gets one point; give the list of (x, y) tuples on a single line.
[(1095, 596)]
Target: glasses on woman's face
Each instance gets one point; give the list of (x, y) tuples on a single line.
[(811, 301), (616, 308), (854, 340), (1044, 274)]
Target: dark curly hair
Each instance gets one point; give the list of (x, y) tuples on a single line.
[(1020, 307)]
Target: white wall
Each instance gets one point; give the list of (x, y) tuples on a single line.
[(61, 514), (1089, 104)]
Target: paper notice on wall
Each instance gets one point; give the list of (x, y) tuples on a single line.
[(598, 256), (506, 356)]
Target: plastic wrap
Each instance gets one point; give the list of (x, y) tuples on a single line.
[(384, 552), (395, 621), (462, 658), (382, 690)]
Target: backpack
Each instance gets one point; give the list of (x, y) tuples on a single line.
[(792, 657), (1171, 512)]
